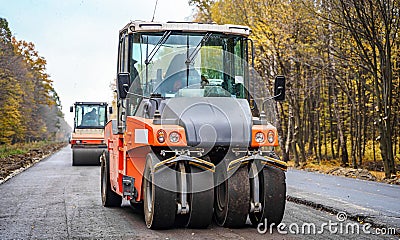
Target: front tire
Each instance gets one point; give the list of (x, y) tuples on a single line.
[(159, 189), (232, 198), (109, 198), (201, 198), (273, 196)]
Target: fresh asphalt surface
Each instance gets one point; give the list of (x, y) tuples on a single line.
[(374, 201), (55, 200)]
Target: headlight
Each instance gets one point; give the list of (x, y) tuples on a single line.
[(259, 138), (271, 136), (161, 136), (174, 137), (78, 141)]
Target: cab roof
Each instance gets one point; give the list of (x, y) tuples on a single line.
[(90, 103), (143, 26)]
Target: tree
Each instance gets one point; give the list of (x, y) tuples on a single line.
[(203, 7), (10, 115), (30, 108), (374, 27), (342, 63)]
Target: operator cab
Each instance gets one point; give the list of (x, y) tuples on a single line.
[(183, 60), (161, 61), (90, 115)]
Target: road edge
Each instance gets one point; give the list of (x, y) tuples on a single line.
[(22, 169), (360, 218)]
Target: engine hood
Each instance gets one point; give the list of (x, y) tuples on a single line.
[(212, 121)]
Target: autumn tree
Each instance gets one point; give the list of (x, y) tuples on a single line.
[(30, 108), (203, 10), (341, 59), (10, 115), (374, 27)]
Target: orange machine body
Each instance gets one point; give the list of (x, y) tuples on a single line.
[(87, 138), (128, 151)]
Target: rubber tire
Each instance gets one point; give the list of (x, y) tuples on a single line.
[(160, 204), (232, 198), (201, 202), (109, 198), (273, 194)]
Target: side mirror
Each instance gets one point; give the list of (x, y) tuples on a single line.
[(279, 88), (71, 109), (123, 84), (110, 110)]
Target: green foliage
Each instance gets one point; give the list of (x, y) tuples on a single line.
[(20, 148), (5, 32)]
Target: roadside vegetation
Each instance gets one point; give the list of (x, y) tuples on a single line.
[(20, 148), (30, 109), (31, 122), (19, 156), (342, 64), (372, 162)]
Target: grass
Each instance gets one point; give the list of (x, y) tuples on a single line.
[(20, 148)]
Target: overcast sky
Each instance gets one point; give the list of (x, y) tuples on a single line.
[(79, 38)]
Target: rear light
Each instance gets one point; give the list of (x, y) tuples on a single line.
[(161, 136), (271, 136), (174, 137), (260, 137)]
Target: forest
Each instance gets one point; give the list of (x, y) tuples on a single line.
[(30, 109), (341, 59)]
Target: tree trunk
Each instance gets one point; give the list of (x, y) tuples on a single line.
[(342, 138), (285, 153), (293, 142)]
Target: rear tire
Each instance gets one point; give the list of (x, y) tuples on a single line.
[(109, 198), (159, 189), (232, 198)]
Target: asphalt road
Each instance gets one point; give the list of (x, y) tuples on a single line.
[(373, 201), (53, 200)]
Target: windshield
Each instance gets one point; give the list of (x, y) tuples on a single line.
[(90, 116), (178, 64), (188, 65)]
